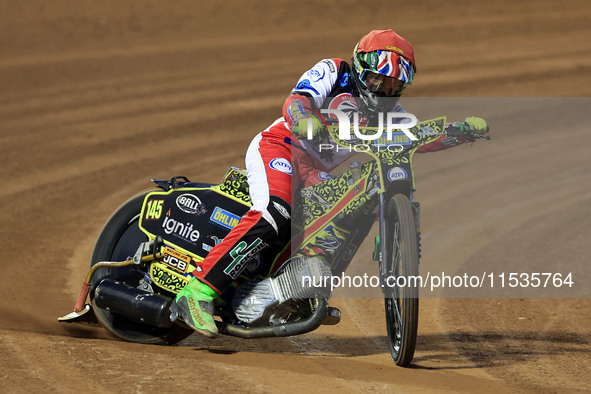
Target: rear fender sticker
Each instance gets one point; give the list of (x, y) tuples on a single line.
[(166, 278)]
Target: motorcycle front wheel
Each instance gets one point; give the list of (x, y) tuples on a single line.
[(402, 294), (119, 240)]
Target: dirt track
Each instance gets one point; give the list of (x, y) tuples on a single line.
[(96, 98)]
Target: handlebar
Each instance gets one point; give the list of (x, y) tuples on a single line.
[(463, 130), (457, 129)]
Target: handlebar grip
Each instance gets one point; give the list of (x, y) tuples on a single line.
[(458, 129), (462, 129)]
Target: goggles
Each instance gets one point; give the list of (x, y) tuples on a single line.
[(382, 85)]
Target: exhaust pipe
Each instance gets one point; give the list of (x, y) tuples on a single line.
[(133, 303), (303, 326)]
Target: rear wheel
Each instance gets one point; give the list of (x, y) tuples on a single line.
[(402, 296), (119, 240)]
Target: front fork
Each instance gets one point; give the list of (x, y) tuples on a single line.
[(384, 258), (382, 242), (416, 209), (381, 250)]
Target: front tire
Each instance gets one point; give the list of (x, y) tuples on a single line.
[(402, 302), (119, 240)]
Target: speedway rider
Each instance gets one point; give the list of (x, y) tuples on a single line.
[(383, 66)]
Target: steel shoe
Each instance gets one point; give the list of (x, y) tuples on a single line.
[(195, 306)]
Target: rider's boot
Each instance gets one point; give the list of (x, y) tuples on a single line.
[(195, 306), (226, 261)]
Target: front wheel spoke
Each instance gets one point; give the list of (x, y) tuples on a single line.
[(398, 315)]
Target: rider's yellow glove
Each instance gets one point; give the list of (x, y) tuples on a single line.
[(477, 125), (308, 128)]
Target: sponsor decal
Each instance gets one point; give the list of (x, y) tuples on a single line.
[(345, 105), (224, 218), (349, 252), (450, 141), (324, 175), (154, 209), (316, 75), (254, 265), (176, 260), (241, 255), (296, 111), (190, 204), (397, 173), (327, 241), (344, 102), (305, 85), (330, 65), (344, 80), (180, 230), (196, 312), (313, 195), (328, 244), (281, 209), (396, 139), (207, 247), (282, 165), (393, 48)]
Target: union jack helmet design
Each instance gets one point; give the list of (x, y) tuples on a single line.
[(383, 65), (389, 64)]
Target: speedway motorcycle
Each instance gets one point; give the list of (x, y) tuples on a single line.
[(148, 248)]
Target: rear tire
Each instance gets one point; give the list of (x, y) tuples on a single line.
[(119, 240), (402, 303)]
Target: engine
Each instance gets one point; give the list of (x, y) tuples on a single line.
[(273, 299)]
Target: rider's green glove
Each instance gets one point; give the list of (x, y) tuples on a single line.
[(311, 122), (477, 125)]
